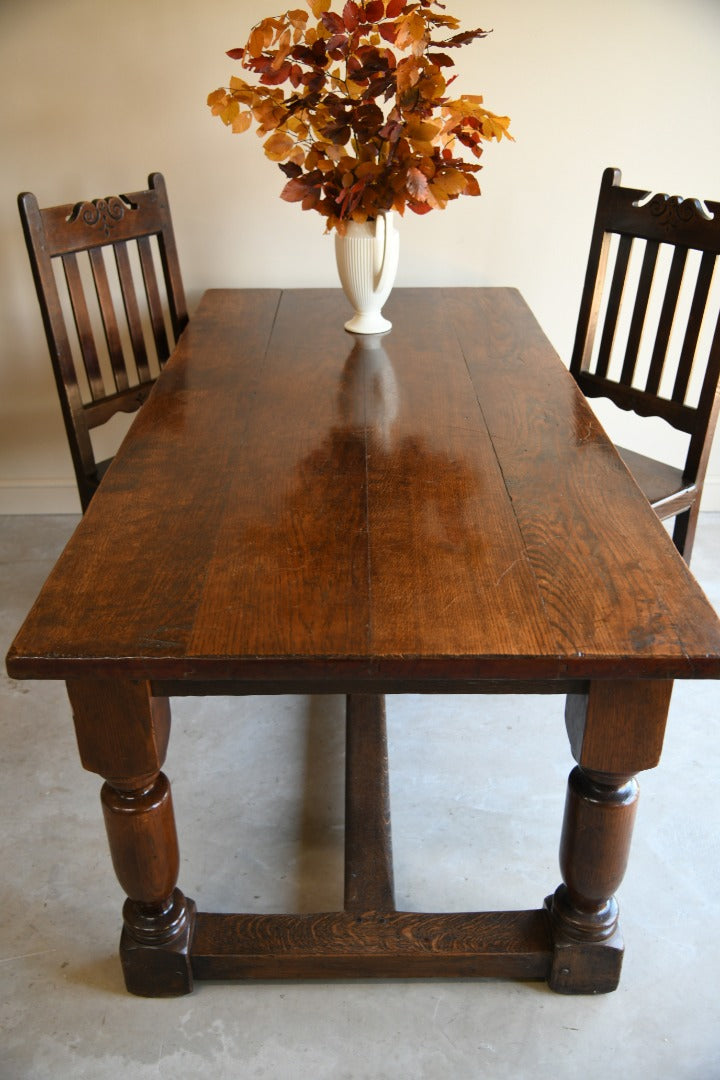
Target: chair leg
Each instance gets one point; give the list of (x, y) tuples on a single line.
[(684, 531)]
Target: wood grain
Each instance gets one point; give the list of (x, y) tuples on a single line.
[(272, 517), (513, 944)]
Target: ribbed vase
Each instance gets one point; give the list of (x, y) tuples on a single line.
[(367, 259)]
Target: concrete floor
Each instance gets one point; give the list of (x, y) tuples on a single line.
[(477, 791)]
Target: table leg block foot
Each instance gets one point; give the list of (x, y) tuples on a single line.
[(162, 970), (584, 967)]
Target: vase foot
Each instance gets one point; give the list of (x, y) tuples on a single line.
[(368, 323)]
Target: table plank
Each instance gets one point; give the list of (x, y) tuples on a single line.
[(613, 587), (450, 574), (289, 576)]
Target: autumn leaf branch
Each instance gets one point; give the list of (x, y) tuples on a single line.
[(366, 125)]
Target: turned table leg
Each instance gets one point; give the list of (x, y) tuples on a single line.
[(122, 734), (615, 730)]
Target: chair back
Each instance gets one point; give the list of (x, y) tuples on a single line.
[(111, 321), (648, 332)]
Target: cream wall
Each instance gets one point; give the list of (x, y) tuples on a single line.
[(96, 94)]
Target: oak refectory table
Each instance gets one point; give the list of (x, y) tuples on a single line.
[(296, 510)]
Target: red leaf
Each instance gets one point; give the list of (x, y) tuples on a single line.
[(294, 191), (274, 78), (395, 8), (352, 15), (236, 54), (374, 11), (440, 60)]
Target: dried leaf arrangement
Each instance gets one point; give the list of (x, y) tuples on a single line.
[(366, 124)]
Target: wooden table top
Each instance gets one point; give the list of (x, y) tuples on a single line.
[(293, 501)]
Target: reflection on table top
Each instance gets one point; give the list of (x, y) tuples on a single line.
[(436, 502)]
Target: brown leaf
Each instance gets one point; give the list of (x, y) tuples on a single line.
[(291, 170), (464, 38)]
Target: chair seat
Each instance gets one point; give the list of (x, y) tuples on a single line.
[(658, 480)]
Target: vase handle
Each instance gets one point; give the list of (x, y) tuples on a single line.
[(386, 268)]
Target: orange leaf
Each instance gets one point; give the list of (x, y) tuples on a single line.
[(278, 146), (411, 31), (408, 73), (260, 38), (241, 122)]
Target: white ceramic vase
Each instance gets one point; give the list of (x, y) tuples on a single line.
[(367, 259)]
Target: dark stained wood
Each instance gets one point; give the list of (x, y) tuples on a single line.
[(258, 527), (593, 872), (368, 842), (122, 734), (593, 546), (437, 510), (506, 944), (594, 849), (654, 478), (122, 731), (59, 234), (618, 727), (686, 226)]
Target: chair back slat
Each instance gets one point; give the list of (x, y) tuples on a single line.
[(152, 292), (107, 355), (171, 266), (708, 405), (109, 320), (617, 289), (637, 323), (694, 324), (132, 313), (666, 322), (83, 326)]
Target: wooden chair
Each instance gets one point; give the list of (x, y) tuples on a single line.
[(662, 266), (110, 324)]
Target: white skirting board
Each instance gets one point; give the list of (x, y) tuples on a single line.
[(41, 496)]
